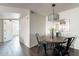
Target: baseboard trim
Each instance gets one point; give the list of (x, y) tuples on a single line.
[(34, 46)]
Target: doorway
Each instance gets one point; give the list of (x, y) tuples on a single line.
[(10, 29)]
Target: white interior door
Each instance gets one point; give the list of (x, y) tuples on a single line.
[(7, 30)]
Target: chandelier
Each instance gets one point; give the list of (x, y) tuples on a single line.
[(54, 16)]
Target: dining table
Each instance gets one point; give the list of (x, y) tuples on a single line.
[(54, 41)]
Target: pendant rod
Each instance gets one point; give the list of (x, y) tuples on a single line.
[(53, 5)]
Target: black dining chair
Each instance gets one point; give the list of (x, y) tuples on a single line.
[(41, 44), (38, 40), (64, 50)]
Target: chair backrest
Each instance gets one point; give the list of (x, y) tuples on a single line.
[(37, 37), (69, 42)]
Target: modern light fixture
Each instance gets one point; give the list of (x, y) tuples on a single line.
[(54, 16), (62, 21)]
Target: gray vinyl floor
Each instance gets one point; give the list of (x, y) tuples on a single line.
[(15, 48)]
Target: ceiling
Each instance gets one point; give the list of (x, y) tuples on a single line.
[(42, 8)]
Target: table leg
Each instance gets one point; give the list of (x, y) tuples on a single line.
[(45, 48)]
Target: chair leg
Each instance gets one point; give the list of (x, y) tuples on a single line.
[(44, 45), (68, 54), (38, 49)]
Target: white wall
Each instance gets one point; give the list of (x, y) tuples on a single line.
[(37, 24), (73, 15), (24, 30), (15, 27), (1, 30)]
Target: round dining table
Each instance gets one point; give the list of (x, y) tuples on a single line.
[(54, 41)]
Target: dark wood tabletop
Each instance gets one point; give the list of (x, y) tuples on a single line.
[(54, 40)]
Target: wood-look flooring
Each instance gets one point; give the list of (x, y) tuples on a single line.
[(15, 48)]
